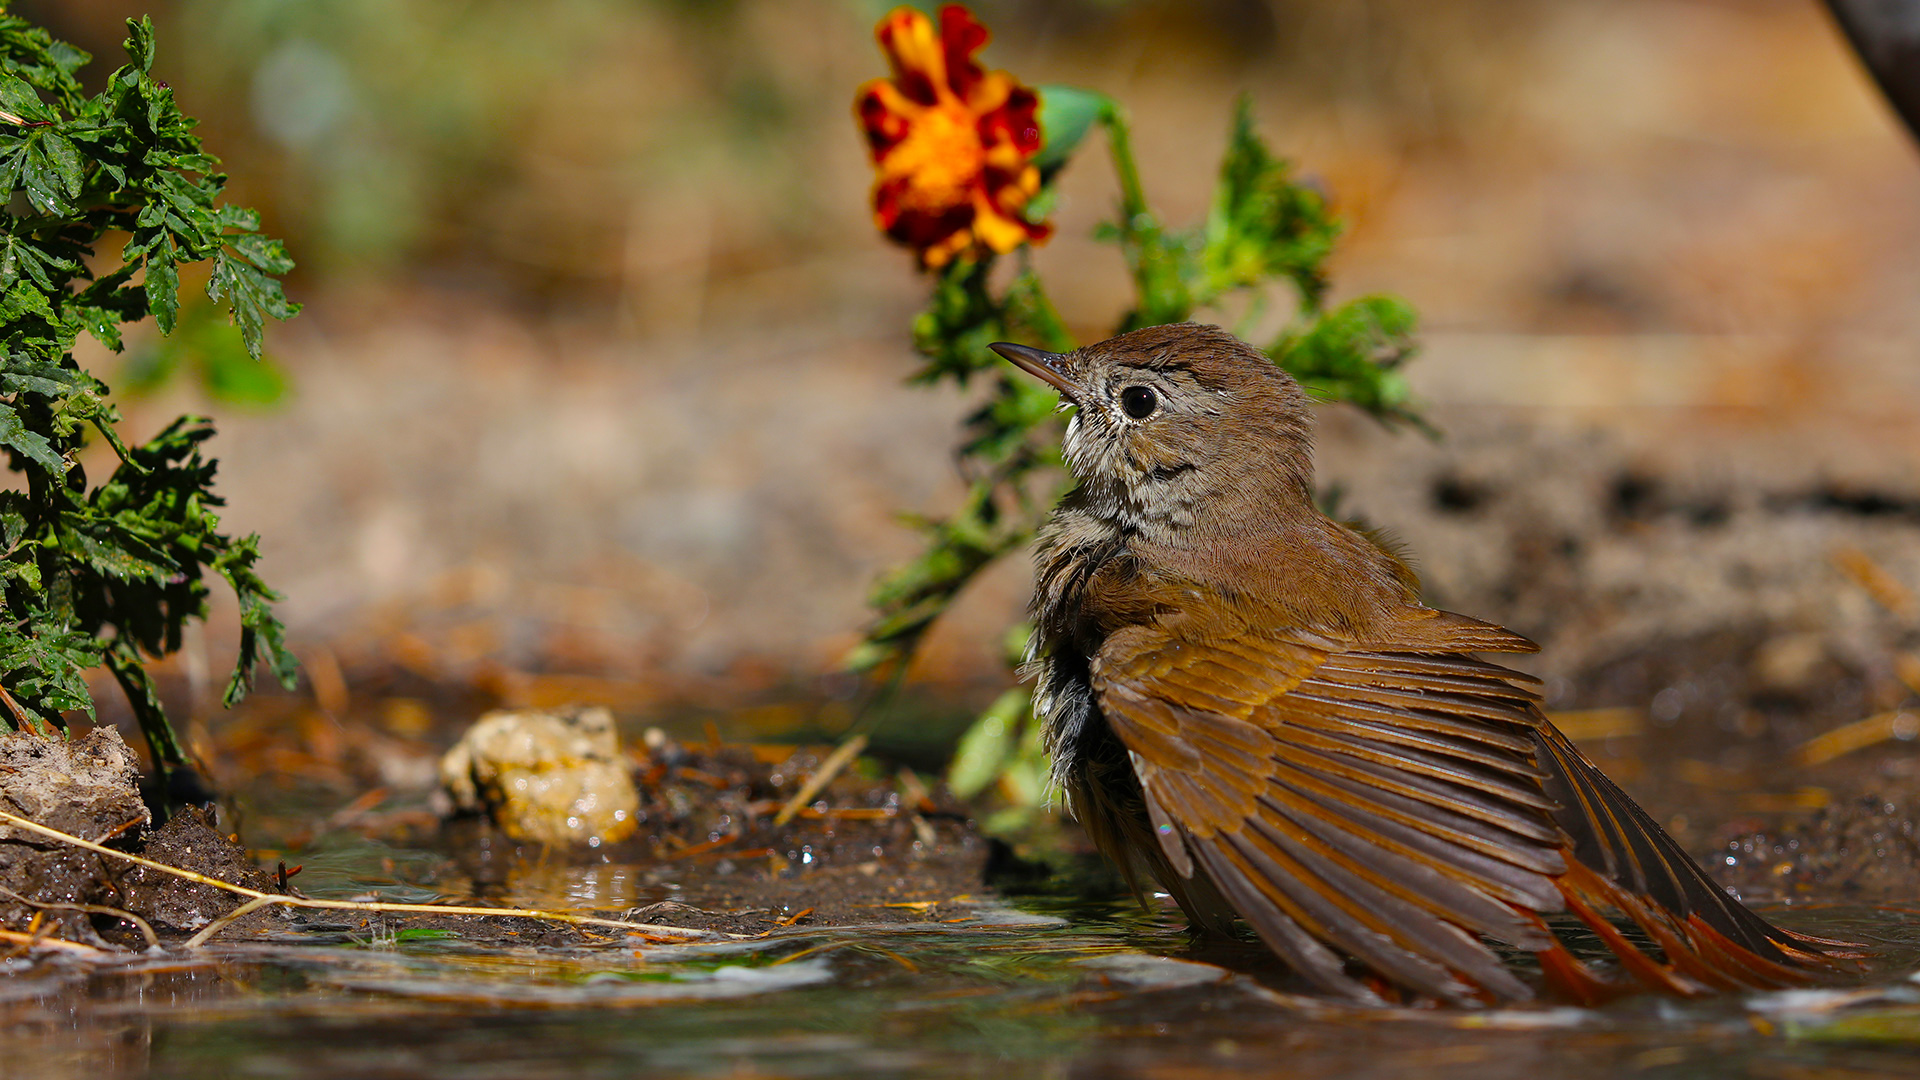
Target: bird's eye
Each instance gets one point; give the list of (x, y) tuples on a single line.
[(1139, 401)]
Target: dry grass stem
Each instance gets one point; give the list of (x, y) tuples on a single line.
[(224, 921), (1899, 724), (648, 930), (37, 941), (841, 757), (1886, 590), (145, 928)]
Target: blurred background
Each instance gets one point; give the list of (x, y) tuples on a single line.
[(600, 387)]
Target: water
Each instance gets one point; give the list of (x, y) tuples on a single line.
[(1032, 987), (1042, 990)]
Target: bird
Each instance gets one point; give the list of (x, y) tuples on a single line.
[(1247, 702)]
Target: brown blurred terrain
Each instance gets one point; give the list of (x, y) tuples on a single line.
[(601, 376)]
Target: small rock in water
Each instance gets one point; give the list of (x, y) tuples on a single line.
[(551, 777)]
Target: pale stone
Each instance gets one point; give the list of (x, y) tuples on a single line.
[(553, 777)]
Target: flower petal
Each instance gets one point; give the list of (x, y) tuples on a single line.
[(961, 35), (909, 220), (942, 253), (885, 114), (996, 231), (919, 64)]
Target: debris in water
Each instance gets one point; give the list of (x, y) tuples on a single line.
[(549, 777)]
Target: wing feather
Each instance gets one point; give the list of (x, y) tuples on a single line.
[(1391, 866), (1447, 843), (1393, 818), (1396, 804)]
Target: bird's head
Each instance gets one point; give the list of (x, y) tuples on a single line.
[(1178, 424)]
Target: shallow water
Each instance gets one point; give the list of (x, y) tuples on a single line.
[(1027, 987), (1043, 989)]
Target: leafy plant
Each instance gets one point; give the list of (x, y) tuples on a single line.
[(1266, 235), (110, 573)]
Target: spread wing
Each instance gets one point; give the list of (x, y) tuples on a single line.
[(1398, 806)]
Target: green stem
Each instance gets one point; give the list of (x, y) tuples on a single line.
[(1133, 198), (144, 697), (1157, 265)]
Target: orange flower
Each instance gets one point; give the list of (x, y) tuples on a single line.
[(952, 144)]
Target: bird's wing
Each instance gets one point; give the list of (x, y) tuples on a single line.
[(1381, 806), (1395, 806)]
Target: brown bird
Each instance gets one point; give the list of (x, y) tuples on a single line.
[(1247, 701)]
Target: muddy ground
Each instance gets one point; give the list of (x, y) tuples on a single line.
[(868, 848)]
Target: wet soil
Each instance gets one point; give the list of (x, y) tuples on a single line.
[(174, 906), (87, 787), (870, 847)]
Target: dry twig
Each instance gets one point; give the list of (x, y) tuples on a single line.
[(145, 928), (1898, 724), (29, 942), (266, 899), (841, 757)]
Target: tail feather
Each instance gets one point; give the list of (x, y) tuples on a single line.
[(1651, 973), (1618, 840), (1571, 978), (1620, 859)]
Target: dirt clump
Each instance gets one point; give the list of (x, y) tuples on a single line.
[(87, 787), (189, 841)]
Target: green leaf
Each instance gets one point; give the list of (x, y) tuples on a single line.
[(44, 671), (262, 638), (264, 253), (19, 98), (985, 747), (65, 160), (1067, 113), (24, 299), (26, 375), (123, 556), (41, 175), (1352, 353), (139, 43), (1262, 223), (163, 285), (252, 297), (16, 436)]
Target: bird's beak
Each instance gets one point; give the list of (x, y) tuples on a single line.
[(1044, 366)]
